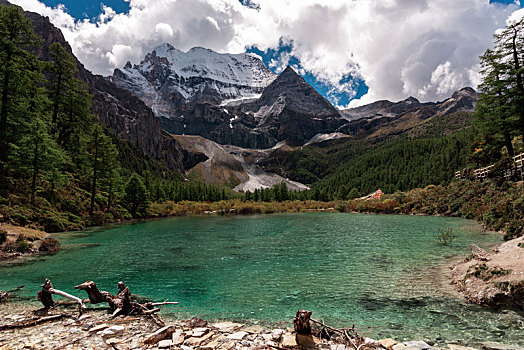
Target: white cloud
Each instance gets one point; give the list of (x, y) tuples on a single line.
[(164, 29), (423, 48)]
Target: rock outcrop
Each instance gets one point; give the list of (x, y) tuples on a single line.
[(496, 279)]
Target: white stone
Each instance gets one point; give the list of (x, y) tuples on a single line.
[(338, 347), (459, 347), (178, 337), (226, 326), (163, 344), (419, 344), (199, 332), (237, 336), (277, 334), (99, 328), (111, 331)]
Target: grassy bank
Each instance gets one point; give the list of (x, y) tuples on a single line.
[(498, 206)]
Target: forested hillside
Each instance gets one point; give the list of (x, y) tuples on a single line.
[(60, 168)]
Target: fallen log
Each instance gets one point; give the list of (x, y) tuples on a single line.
[(119, 304), (46, 296), (5, 295), (32, 322)]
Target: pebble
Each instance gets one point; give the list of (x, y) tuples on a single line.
[(111, 331), (459, 347), (499, 346), (289, 340), (218, 336)]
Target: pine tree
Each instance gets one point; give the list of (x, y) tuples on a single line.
[(136, 196), (19, 71), (500, 110), (60, 68), (104, 165)]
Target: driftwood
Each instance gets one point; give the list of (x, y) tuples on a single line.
[(479, 253), (32, 322), (95, 295), (46, 296), (5, 295), (119, 304), (349, 336), (301, 322), (303, 336)]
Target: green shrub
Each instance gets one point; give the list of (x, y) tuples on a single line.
[(341, 207), (514, 229), (446, 237), (50, 245), (9, 247), (3, 236), (22, 245)]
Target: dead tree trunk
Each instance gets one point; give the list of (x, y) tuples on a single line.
[(302, 327), (95, 295), (46, 296), (122, 301)]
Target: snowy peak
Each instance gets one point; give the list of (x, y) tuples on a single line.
[(171, 81), (240, 69)]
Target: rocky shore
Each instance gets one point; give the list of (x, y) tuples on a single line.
[(493, 278), (63, 328)]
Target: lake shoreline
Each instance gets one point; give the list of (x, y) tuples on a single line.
[(374, 300), (66, 329)]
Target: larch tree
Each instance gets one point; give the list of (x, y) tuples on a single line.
[(19, 71), (500, 109)]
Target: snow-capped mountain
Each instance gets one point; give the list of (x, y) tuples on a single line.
[(171, 81)]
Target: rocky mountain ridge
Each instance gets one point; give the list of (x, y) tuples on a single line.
[(230, 99), (383, 118), (236, 100)]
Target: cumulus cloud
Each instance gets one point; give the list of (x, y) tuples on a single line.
[(424, 48)]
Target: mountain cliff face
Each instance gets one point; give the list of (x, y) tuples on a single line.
[(126, 115)]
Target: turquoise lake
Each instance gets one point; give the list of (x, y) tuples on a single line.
[(386, 274)]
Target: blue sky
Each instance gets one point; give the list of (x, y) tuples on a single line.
[(339, 92)]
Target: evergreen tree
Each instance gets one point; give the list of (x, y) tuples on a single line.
[(60, 68), (18, 74), (353, 194), (104, 165), (500, 110), (136, 196)]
